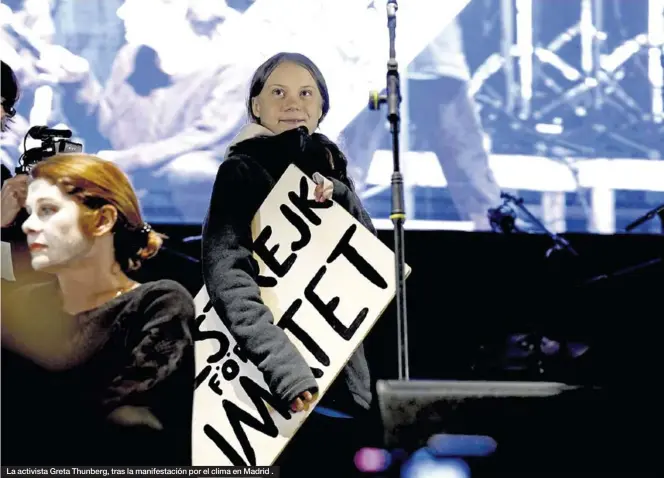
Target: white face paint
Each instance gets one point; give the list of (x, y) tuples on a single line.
[(54, 233)]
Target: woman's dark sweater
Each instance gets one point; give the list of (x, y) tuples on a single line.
[(244, 180), (133, 351)]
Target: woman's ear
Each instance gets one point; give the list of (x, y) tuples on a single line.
[(256, 108), (107, 216)]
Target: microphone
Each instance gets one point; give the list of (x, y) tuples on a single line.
[(44, 132)]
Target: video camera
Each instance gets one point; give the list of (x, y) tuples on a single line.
[(54, 141)]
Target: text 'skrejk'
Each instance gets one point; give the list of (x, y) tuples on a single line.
[(343, 248), (230, 368)]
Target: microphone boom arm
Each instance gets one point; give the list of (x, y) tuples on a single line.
[(658, 211), (559, 242)]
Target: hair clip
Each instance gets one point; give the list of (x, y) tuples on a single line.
[(146, 228)]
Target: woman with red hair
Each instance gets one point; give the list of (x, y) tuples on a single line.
[(96, 356)]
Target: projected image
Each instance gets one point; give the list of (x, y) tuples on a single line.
[(133, 90), (560, 105)]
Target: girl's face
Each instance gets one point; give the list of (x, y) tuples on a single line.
[(289, 99)]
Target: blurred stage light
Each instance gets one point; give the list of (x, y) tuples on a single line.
[(545, 128), (449, 445), (372, 460), (423, 465)]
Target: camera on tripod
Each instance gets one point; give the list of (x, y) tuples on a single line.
[(54, 141)]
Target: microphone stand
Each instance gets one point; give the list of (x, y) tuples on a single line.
[(559, 243), (658, 211), (398, 214), (534, 342)]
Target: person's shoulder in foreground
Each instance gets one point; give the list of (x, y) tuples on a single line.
[(168, 293)]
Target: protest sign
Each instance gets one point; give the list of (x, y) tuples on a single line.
[(327, 280)]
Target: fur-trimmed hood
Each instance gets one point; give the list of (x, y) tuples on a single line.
[(251, 130), (275, 152)]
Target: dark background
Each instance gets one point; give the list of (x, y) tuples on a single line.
[(469, 291)]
